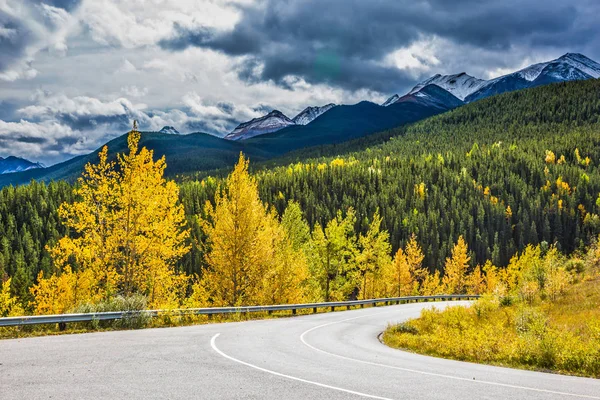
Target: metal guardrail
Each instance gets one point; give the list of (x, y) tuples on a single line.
[(114, 315)]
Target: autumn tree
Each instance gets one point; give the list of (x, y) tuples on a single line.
[(455, 270), (127, 231), (408, 272), (9, 305), (373, 260), (332, 258), (250, 257)]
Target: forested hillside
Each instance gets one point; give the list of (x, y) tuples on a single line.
[(503, 172), (506, 171)]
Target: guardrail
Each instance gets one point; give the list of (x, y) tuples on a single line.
[(63, 319)]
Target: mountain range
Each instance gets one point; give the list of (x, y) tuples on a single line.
[(569, 67), (12, 164), (275, 134)]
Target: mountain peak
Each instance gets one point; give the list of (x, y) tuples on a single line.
[(273, 121), (460, 85), (169, 130), (311, 113), (17, 164)]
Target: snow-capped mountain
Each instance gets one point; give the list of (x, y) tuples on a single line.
[(569, 67), (169, 130), (309, 114), (16, 164), (390, 101), (273, 121), (460, 85), (431, 96)]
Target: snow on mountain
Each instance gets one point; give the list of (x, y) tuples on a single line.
[(531, 72), (460, 85), (309, 114), (271, 122), (569, 67), (432, 96), (169, 130), (582, 63), (15, 164), (391, 100)]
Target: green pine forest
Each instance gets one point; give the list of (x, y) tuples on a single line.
[(504, 172)]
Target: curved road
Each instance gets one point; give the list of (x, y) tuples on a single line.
[(322, 356)]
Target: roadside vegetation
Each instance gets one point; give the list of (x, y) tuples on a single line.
[(542, 312), (441, 207)]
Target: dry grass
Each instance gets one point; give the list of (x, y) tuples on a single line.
[(561, 336)]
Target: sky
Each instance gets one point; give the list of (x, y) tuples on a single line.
[(76, 73)]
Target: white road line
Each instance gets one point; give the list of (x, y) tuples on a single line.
[(215, 348), (458, 378)]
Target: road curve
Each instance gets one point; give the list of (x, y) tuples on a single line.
[(322, 356)]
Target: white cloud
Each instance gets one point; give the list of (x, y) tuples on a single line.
[(134, 91)]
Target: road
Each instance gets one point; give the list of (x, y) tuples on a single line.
[(322, 356)]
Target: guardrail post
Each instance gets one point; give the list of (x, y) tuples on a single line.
[(332, 308), (315, 310), (362, 305), (62, 326), (293, 311), (270, 312)]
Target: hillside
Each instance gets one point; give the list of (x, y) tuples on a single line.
[(196, 151), (554, 327), (202, 152), (503, 172)]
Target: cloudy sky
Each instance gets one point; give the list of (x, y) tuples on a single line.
[(74, 73)]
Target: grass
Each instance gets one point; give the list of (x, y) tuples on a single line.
[(561, 336)]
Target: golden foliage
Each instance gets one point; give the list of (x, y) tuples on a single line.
[(128, 230), (9, 305), (455, 270), (250, 258)]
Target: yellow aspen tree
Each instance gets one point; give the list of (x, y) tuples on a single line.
[(332, 257), (475, 283), (403, 279), (414, 257), (373, 260), (240, 241), (127, 229), (432, 285), (493, 281), (285, 281), (9, 305), (455, 270)]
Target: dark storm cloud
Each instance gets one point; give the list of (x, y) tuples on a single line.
[(342, 42), (14, 38), (89, 122)]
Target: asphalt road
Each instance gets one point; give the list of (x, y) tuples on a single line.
[(323, 356)]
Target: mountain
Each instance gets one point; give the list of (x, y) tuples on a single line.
[(273, 121), (346, 122), (390, 101), (460, 85), (569, 67), (184, 153), (12, 164), (309, 114), (431, 95), (169, 130)]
